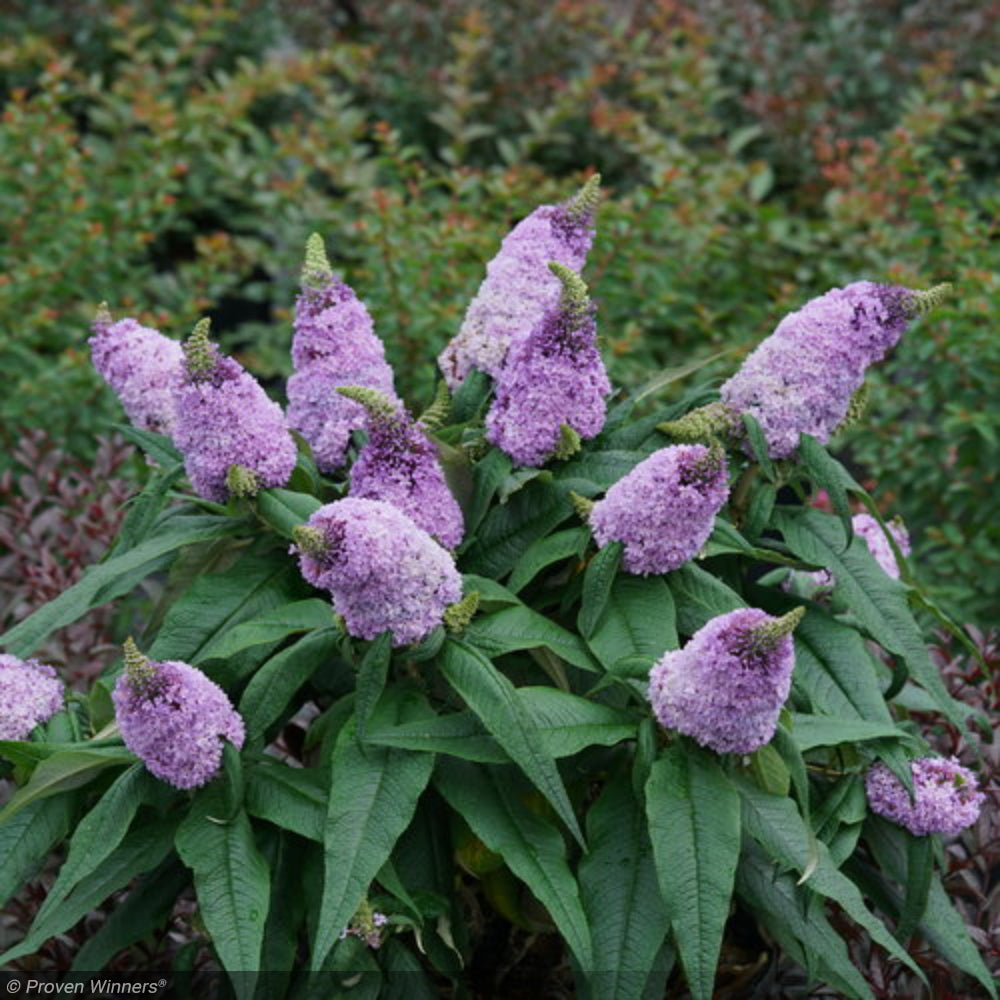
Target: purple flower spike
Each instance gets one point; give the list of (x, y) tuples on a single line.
[(383, 572), (878, 545), (664, 509), (225, 420), (801, 379), (518, 290), (725, 688), (142, 367), (946, 796), (174, 718), (30, 694), (399, 464), (552, 389)]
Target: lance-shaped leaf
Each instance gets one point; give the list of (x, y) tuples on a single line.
[(694, 823), (570, 542), (597, 583), (26, 838), (700, 597), (272, 626), (637, 626), (494, 699)]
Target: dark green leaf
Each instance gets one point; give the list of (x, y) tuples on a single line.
[(372, 675), (700, 597), (231, 880), (597, 582), (493, 801), (272, 626), (571, 542), (157, 446), (919, 871), (758, 444), (494, 699), (285, 510), (291, 798), (144, 509), (27, 837), (637, 625), (694, 824), (487, 477), (827, 473), (810, 731)]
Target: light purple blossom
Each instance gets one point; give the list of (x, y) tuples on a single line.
[(725, 688), (664, 509), (946, 796), (383, 571), (325, 418), (30, 694), (225, 419), (553, 379), (878, 545), (519, 288), (399, 464), (800, 380), (142, 367), (174, 718)]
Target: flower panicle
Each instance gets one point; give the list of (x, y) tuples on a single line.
[(316, 269)]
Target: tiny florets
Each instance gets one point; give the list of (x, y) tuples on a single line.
[(726, 687), (801, 379), (553, 384), (142, 367), (225, 418), (519, 288), (399, 464), (946, 796), (30, 694), (663, 511), (383, 571), (878, 545), (175, 719)]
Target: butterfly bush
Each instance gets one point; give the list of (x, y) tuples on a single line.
[(142, 367), (802, 378), (518, 290), (664, 509), (30, 694), (946, 797), (174, 719), (226, 420), (399, 464), (383, 572), (427, 670), (552, 389), (726, 687), (334, 345)]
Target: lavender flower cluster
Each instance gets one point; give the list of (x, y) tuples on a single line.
[(725, 688), (174, 718), (518, 288), (383, 572), (664, 509), (30, 694), (801, 379), (946, 796), (334, 345)]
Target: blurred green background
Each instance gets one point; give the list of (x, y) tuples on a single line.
[(172, 158)]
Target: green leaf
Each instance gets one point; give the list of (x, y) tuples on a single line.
[(670, 375), (231, 880), (810, 731), (507, 531), (724, 540), (27, 837), (488, 475), (141, 850), (571, 542), (372, 675), (272, 626), (637, 625), (876, 599), (470, 397), (595, 471), (834, 669), (147, 907), (158, 447), (285, 510), (493, 801), (64, 771), (775, 823), (828, 474), (597, 582), (694, 824), (919, 871), (217, 602), (494, 699), (565, 722), (291, 798), (621, 896), (700, 597), (373, 795), (75, 602), (100, 832), (274, 684), (786, 910), (144, 509), (515, 628), (758, 445)]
